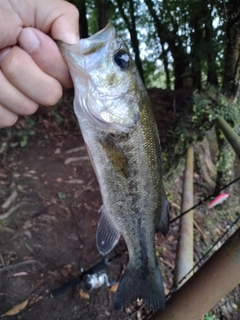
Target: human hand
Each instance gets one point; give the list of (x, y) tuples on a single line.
[(32, 70)]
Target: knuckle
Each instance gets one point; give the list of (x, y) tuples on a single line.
[(74, 10), (11, 63)]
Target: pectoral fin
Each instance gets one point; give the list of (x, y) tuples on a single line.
[(164, 219), (116, 156), (107, 235)]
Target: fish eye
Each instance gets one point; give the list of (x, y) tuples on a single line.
[(122, 59)]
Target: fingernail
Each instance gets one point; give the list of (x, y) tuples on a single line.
[(69, 38), (3, 53), (28, 40)]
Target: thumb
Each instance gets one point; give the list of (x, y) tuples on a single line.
[(45, 53), (59, 17)]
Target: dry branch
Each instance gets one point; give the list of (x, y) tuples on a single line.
[(10, 211), (21, 264), (9, 200), (76, 149), (75, 159)]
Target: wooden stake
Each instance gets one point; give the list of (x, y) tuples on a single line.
[(214, 280), (184, 258)]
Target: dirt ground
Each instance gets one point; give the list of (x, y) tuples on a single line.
[(50, 234)]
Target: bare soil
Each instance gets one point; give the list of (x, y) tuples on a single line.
[(50, 235)]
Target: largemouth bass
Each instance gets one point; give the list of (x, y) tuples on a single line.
[(118, 127)]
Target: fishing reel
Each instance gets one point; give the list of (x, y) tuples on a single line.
[(96, 280), (92, 278), (96, 277)]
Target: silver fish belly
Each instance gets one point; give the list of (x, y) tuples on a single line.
[(120, 132)]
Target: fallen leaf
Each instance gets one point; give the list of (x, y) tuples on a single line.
[(20, 188), (166, 290), (139, 315), (114, 287), (83, 294), (15, 310)]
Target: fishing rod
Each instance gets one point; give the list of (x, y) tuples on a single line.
[(96, 276), (93, 278), (205, 199), (197, 264)]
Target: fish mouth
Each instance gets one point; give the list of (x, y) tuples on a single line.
[(86, 57), (98, 40), (91, 44), (88, 52)]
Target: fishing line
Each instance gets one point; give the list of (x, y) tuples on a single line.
[(96, 268), (76, 280), (205, 255), (205, 199), (197, 264)]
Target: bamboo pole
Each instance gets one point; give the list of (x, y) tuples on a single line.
[(217, 277), (230, 135), (184, 257), (214, 280)]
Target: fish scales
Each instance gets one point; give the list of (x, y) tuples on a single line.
[(118, 127)]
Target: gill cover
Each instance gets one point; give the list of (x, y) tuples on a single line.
[(104, 77)]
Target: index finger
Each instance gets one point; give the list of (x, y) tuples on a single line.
[(59, 17)]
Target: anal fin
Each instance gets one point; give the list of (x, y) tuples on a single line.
[(107, 235)]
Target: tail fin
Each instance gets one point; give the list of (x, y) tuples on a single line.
[(141, 284)]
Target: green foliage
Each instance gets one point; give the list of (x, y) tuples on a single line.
[(61, 195), (209, 316), (17, 136), (154, 75), (198, 117), (226, 157), (189, 33), (23, 136)]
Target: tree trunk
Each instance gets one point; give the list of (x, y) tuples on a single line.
[(195, 22), (212, 78), (101, 6), (81, 5), (164, 57), (231, 74), (174, 41), (230, 87), (131, 25)]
